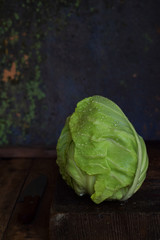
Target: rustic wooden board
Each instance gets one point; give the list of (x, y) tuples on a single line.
[(12, 177), (26, 152), (76, 218), (38, 228)]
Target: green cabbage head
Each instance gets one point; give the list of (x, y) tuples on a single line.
[(99, 152)]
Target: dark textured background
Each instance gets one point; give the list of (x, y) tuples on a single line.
[(109, 48)]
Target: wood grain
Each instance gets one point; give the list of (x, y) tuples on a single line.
[(27, 152), (75, 218), (12, 177), (38, 229)]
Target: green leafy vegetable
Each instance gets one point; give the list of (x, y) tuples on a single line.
[(99, 152)]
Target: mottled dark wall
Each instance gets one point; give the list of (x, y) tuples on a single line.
[(57, 53)]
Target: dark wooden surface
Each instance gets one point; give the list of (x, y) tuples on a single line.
[(15, 174), (77, 218), (63, 215)]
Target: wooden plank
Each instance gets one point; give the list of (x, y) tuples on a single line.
[(39, 228), (76, 218), (113, 226), (27, 152), (12, 177)]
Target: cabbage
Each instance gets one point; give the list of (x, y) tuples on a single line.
[(99, 152)]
